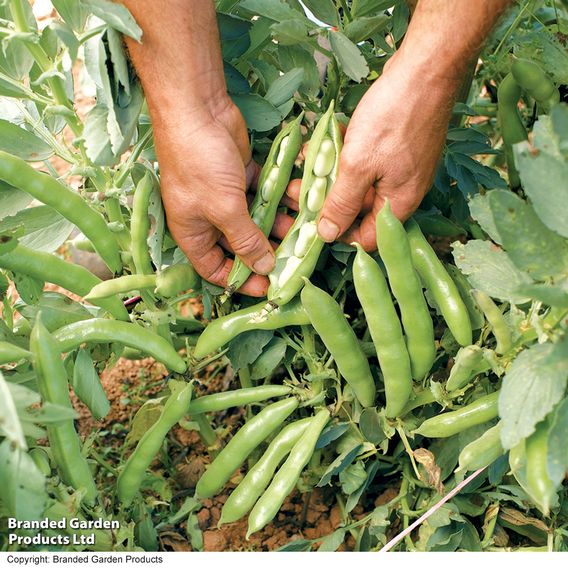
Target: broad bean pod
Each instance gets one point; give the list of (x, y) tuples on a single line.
[(483, 451), (130, 478), (248, 491), (10, 353), (240, 397), (130, 334), (328, 320), (298, 253), (53, 387), (257, 429), (385, 329), (44, 188), (272, 184), (261, 316), (448, 424), (285, 480), (511, 124), (49, 268), (394, 248), (440, 284)]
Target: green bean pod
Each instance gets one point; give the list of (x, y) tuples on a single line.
[(10, 353), (69, 204), (49, 268), (539, 485), (257, 429), (285, 480), (496, 320), (53, 387), (483, 451), (440, 284), (394, 248), (240, 397), (140, 225), (298, 253), (272, 184), (469, 362), (261, 316), (386, 331), (248, 491), (130, 334), (328, 320), (511, 124), (131, 476), (175, 279), (121, 285), (536, 82), (167, 283), (451, 423)]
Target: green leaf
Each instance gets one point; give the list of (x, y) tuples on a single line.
[(289, 32), (488, 268), (544, 181), (12, 200), (44, 229), (259, 114), (10, 426), (294, 56), (480, 210), (144, 419), (331, 433), (22, 485), (323, 10), (332, 541), (557, 447), (534, 383), (356, 495), (72, 12), (352, 478), (245, 349), (56, 310), (559, 119), (22, 143), (339, 464), (284, 87), (550, 295), (370, 424), (273, 9), (235, 35), (363, 28), (116, 16), (87, 385), (348, 56), (269, 359), (530, 244), (299, 545)]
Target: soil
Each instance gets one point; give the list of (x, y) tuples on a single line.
[(303, 516)]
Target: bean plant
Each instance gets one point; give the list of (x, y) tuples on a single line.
[(382, 379)]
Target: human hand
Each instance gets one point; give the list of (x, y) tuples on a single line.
[(206, 167), (392, 147)]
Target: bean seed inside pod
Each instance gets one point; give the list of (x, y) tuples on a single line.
[(325, 159), (288, 271), (316, 194), (306, 236), (282, 151), (270, 182)]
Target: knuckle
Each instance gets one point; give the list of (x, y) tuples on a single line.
[(246, 243), (344, 202)]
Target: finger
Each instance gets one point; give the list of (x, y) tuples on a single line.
[(281, 226), (293, 190), (252, 171), (256, 286), (345, 199), (245, 239)]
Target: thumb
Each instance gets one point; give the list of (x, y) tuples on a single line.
[(249, 243), (344, 201)]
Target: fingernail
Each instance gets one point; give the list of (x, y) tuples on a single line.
[(328, 230), (265, 264)]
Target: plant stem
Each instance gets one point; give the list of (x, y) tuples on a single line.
[(206, 432)]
